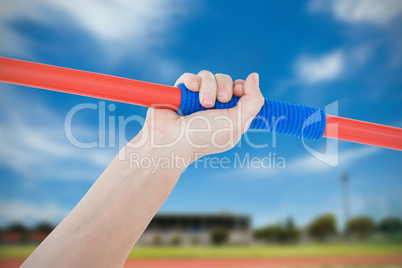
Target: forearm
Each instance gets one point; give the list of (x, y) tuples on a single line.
[(104, 226)]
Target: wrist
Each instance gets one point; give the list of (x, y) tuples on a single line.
[(155, 157)]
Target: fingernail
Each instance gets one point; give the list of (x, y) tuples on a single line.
[(223, 92), (194, 83), (239, 88), (208, 98), (256, 78)]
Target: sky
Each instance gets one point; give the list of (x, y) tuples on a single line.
[(345, 55)]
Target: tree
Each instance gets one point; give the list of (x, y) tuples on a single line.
[(278, 233), (322, 227), (292, 233), (390, 226), (19, 230), (176, 240), (44, 227), (157, 240), (195, 241), (219, 236), (290, 225), (360, 227), (270, 234)]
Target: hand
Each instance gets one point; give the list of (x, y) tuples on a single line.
[(204, 132), (125, 197)]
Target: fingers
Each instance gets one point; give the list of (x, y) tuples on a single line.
[(225, 87), (238, 87), (208, 89), (191, 81), (212, 87), (251, 102)]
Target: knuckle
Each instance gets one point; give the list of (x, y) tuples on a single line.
[(224, 79), (186, 76), (222, 75), (261, 100), (205, 72)]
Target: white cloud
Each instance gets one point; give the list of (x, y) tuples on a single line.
[(385, 14), (319, 69), (308, 163), (39, 148), (378, 12), (13, 43), (119, 26), (305, 164), (23, 211), (108, 20)]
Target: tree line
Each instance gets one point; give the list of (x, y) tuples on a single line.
[(320, 229), (324, 228)]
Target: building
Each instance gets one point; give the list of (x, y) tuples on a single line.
[(192, 229), (20, 234)]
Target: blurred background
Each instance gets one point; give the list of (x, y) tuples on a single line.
[(307, 52)]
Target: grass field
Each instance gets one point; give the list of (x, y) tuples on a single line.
[(266, 251), (239, 251)]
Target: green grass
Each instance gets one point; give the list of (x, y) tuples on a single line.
[(266, 251), (16, 251), (239, 251)]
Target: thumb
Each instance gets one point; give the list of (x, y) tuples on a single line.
[(251, 102)]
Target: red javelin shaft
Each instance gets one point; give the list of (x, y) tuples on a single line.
[(146, 94), (88, 84)]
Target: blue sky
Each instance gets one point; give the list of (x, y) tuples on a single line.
[(307, 52)]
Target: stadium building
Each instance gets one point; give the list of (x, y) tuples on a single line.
[(193, 229)]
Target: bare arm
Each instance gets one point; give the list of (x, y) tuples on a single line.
[(104, 226)]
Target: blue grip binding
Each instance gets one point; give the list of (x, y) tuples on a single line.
[(275, 116)]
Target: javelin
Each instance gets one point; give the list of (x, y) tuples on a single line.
[(300, 121)]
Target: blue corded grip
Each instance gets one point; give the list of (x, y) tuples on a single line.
[(275, 116)]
